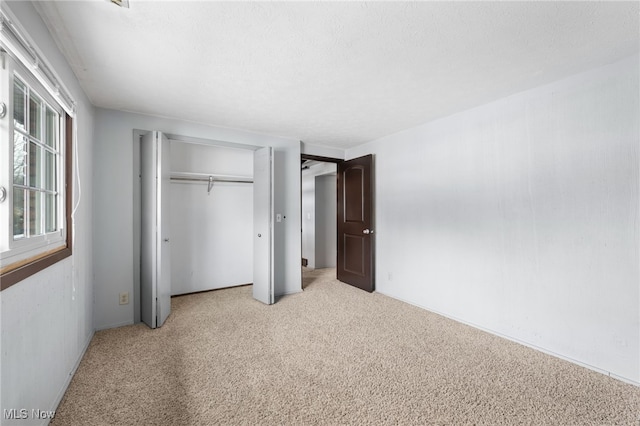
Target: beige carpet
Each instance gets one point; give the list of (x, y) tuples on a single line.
[(331, 355)]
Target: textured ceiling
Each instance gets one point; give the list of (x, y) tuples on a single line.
[(336, 73)]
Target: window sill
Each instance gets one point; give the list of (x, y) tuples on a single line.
[(12, 274)]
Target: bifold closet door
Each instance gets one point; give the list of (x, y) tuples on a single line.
[(155, 250), (263, 225)]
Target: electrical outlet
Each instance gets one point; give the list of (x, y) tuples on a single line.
[(124, 298)]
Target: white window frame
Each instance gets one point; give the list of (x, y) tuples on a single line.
[(13, 251), (21, 259)]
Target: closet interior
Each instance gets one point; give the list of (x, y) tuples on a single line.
[(211, 216)]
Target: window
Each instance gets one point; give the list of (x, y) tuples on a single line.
[(35, 151), (36, 159)]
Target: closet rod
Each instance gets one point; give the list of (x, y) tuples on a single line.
[(210, 180)]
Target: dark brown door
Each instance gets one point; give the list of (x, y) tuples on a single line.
[(355, 233)]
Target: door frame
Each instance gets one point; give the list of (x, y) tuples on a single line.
[(323, 160), (320, 158), (338, 161)]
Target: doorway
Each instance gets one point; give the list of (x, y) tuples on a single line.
[(337, 218), (318, 214), (318, 218)]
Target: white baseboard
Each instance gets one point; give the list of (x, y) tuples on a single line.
[(116, 325), (521, 342), (64, 387)]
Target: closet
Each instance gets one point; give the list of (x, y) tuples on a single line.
[(206, 220), (211, 217)]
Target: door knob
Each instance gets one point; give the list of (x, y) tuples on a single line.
[(368, 231)]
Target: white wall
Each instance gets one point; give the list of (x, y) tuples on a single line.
[(309, 218), (326, 221), (211, 233), (113, 205), (521, 217), (47, 319)]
